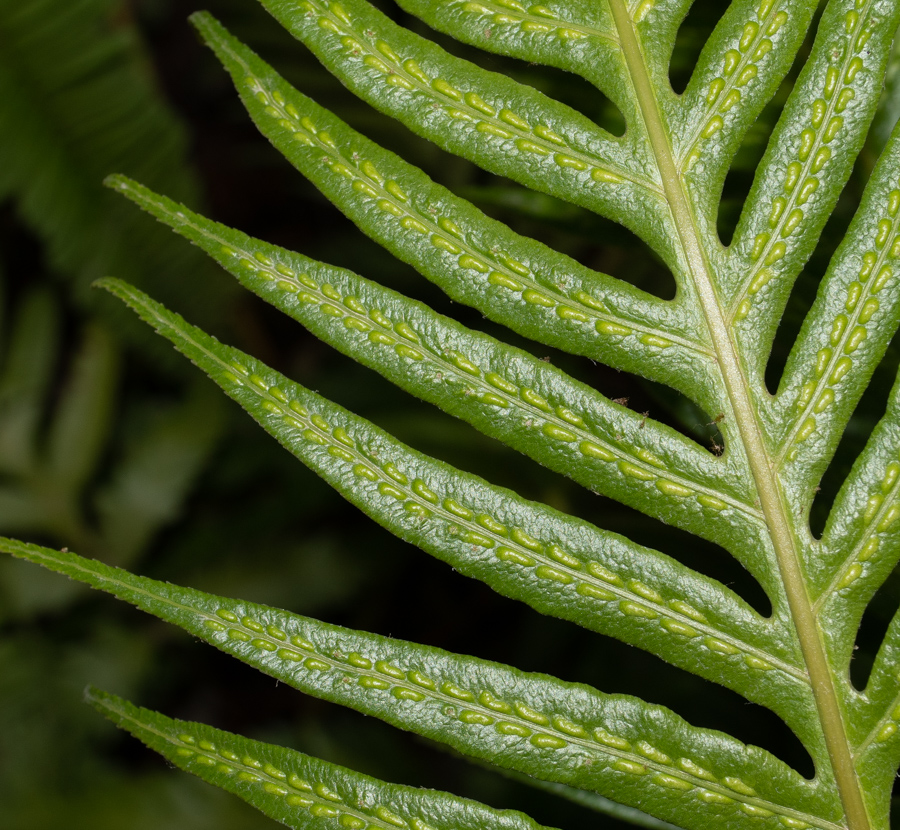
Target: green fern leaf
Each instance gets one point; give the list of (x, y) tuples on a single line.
[(294, 789), (483, 263), (533, 724), (528, 551), (505, 393), (662, 179)]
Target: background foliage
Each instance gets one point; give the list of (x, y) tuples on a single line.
[(109, 447)]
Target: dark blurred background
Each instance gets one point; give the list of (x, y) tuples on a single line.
[(114, 447)]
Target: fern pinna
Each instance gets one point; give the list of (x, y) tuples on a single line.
[(662, 180)]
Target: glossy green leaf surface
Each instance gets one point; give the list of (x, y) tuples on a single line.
[(530, 723), (475, 260), (526, 550), (662, 179), (294, 789)]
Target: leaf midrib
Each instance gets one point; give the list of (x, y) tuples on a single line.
[(773, 506)]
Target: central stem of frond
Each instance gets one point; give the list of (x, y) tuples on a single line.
[(770, 497)]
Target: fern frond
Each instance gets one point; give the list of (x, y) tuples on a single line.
[(808, 161), (739, 70), (581, 40), (555, 563), (518, 282), (505, 393), (662, 179), (877, 735), (847, 331), (530, 723), (504, 127), (859, 550)]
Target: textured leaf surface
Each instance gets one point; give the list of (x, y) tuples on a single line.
[(294, 789), (504, 392), (662, 178), (846, 333), (531, 723), (503, 126), (808, 158), (556, 563), (516, 281)]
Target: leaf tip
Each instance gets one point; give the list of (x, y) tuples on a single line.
[(95, 697), (116, 181), (139, 302), (207, 26), (129, 188), (112, 707), (112, 284)]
